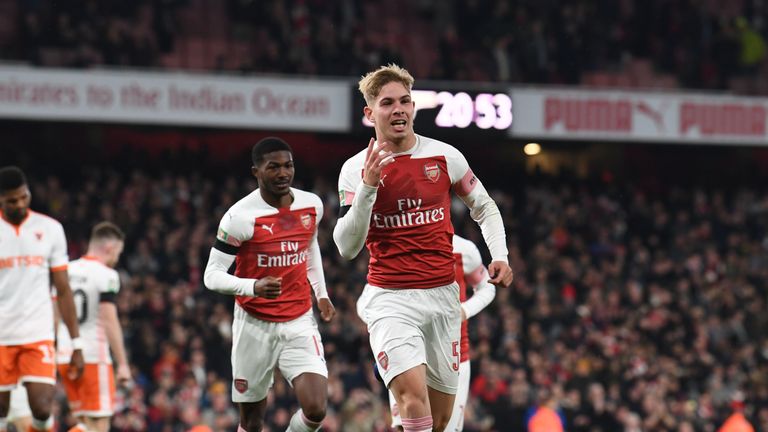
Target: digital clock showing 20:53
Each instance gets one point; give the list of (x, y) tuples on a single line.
[(441, 110)]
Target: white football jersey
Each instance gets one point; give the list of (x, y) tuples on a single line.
[(89, 279), (28, 253)]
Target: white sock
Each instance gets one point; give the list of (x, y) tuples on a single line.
[(299, 423), (42, 425)]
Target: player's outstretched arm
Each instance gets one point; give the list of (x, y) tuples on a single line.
[(108, 316), (66, 306), (354, 218)]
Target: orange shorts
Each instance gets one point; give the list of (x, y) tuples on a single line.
[(93, 394), (32, 362)]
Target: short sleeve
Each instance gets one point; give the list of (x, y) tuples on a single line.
[(349, 178), (112, 283), (472, 261), (58, 258), (471, 258), (319, 210), (233, 230)]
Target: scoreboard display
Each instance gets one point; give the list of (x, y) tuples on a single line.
[(445, 113)]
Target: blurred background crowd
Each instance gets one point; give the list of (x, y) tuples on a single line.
[(636, 306), (632, 308), (709, 44)]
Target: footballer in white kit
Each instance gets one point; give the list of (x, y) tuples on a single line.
[(28, 253), (95, 285), (33, 254)]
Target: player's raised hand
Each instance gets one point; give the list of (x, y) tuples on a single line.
[(501, 274), (267, 287), (76, 365), (376, 158), (327, 311)]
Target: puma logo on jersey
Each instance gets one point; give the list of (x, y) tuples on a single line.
[(381, 180), (268, 228)]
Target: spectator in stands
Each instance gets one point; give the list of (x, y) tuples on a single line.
[(646, 306), (736, 422), (631, 43), (546, 415)]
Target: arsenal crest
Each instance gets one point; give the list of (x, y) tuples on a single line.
[(306, 220), (432, 171), (383, 360), (241, 385)]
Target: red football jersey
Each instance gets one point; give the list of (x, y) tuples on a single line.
[(274, 242), (410, 232)]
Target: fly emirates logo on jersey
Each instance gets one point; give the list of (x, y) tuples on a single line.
[(290, 254), (22, 261), (409, 214)]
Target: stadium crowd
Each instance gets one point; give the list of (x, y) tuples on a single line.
[(633, 309), (713, 44)]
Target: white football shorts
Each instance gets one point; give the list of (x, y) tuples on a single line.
[(410, 327), (259, 346)]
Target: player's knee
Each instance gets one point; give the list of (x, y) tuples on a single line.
[(315, 410), (413, 405)]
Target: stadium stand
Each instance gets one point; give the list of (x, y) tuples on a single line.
[(639, 297), (714, 44), (644, 307)]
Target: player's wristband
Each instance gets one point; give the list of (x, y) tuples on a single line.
[(77, 344)]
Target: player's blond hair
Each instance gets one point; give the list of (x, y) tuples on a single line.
[(370, 85)]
